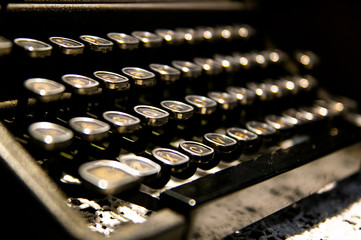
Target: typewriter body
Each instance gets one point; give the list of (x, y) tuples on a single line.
[(164, 119)]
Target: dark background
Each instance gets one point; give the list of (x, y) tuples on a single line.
[(332, 29)]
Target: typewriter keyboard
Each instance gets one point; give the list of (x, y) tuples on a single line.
[(127, 124)]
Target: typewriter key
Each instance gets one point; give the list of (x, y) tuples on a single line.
[(191, 36), (176, 163), (210, 66), (170, 37), (165, 72), (50, 136), (173, 159), (5, 46), (68, 46), (208, 33), (244, 60), (199, 153), (45, 90), (225, 100), (109, 176), (305, 83), (224, 32), (243, 31), (34, 48), (280, 123), (307, 59), (178, 110), (112, 80), (124, 41), (140, 76), (202, 105), (228, 63), (152, 116), (244, 95), (97, 44), (80, 84), (143, 166), (267, 133), (147, 170), (90, 129), (148, 39), (124, 123), (247, 141), (224, 146), (188, 69)]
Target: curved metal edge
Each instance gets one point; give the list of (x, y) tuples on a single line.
[(115, 7)]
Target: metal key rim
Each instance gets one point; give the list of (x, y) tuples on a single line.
[(44, 95), (34, 52), (90, 134), (51, 142), (82, 89), (121, 126), (156, 167), (122, 84), (76, 49), (162, 159), (106, 185)]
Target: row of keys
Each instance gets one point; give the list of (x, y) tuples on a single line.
[(181, 163), (39, 49)]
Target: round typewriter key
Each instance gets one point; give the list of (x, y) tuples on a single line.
[(97, 44), (80, 84), (5, 46), (176, 163), (208, 33), (188, 69), (267, 133), (305, 83), (90, 129), (171, 158), (165, 72), (280, 123), (243, 60), (112, 80), (210, 66), (125, 123), (170, 37), (178, 110), (109, 176), (244, 95), (202, 105), (243, 31), (147, 170), (68, 46), (225, 147), (247, 141), (152, 116), (307, 59), (294, 117), (149, 40), (143, 166), (124, 41), (199, 153), (140, 76), (228, 63), (45, 90), (191, 36), (50, 136), (225, 100), (34, 48)]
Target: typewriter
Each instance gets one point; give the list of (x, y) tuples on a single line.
[(161, 119)]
